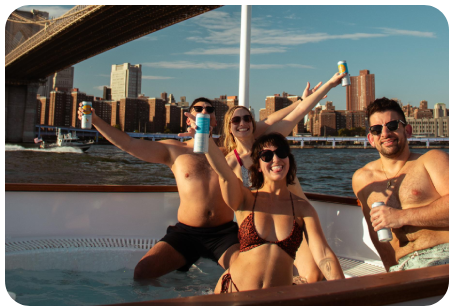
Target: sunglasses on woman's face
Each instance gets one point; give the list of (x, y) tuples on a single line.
[(267, 155), (392, 126), (237, 120), (209, 109)]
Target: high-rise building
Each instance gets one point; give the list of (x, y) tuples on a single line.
[(63, 80), (42, 110), (106, 95), (361, 92), (125, 81), (59, 108), (439, 110), (277, 102)]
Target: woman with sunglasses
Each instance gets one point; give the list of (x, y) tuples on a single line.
[(240, 131), (271, 219)]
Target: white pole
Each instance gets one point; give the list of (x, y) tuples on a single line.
[(245, 39)]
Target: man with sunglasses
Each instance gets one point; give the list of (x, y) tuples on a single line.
[(414, 188)]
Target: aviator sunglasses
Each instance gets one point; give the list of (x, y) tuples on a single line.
[(237, 120), (392, 126), (267, 155), (209, 109)]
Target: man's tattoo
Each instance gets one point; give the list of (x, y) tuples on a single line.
[(325, 267)]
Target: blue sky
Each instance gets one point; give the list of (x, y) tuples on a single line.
[(406, 47)]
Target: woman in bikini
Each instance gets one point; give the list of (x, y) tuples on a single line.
[(271, 219), (240, 131)]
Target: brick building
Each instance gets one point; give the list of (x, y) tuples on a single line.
[(173, 118), (277, 102), (361, 92)]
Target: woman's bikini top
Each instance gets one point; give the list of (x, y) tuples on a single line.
[(249, 238), (244, 171)]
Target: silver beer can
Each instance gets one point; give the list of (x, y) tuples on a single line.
[(202, 133), (385, 234), (87, 115), (342, 65)]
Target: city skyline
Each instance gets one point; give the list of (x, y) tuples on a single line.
[(406, 48)]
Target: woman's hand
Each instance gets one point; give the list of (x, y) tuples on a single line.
[(336, 79), (80, 112), (308, 92)]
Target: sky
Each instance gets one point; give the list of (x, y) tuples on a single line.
[(406, 47)]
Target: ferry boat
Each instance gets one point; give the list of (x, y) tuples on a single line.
[(67, 140), (126, 221)]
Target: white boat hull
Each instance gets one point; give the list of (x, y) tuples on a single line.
[(127, 222)]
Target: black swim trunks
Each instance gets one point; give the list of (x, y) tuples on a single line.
[(193, 243)]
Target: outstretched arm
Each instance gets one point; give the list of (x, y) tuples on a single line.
[(286, 125), (232, 188), (277, 116), (150, 151)]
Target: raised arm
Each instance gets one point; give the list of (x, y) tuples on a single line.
[(286, 125), (277, 116), (323, 256), (150, 151), (232, 188)]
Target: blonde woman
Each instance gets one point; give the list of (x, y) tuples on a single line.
[(239, 133)]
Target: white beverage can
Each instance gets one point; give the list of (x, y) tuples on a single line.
[(202, 133), (87, 120), (342, 65), (385, 234)]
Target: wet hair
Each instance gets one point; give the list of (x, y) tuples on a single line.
[(228, 138), (200, 99), (278, 141), (384, 104)]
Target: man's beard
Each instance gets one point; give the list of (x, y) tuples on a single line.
[(393, 151)]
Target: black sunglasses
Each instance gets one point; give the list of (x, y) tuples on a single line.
[(392, 126), (237, 120), (209, 109), (267, 155)]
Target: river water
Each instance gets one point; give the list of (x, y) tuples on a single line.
[(326, 171)]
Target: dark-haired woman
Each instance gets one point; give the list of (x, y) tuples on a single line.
[(271, 219)]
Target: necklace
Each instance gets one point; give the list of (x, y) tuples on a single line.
[(389, 181)]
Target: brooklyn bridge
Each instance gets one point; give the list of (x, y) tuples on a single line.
[(37, 47)]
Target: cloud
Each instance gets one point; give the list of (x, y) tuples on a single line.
[(219, 65), (235, 51), (391, 31), (191, 65), (148, 38), (224, 29), (100, 88)]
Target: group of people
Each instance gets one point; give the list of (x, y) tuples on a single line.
[(277, 227)]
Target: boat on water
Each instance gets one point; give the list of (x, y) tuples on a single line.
[(43, 220), (66, 140)]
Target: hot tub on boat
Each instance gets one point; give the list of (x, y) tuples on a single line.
[(111, 227)]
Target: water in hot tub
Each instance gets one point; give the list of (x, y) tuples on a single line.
[(74, 288)]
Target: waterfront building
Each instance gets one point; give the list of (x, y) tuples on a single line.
[(125, 81), (361, 92), (157, 115), (42, 110), (106, 95), (173, 118), (76, 98), (276, 102), (134, 114), (63, 80), (262, 114), (107, 110), (59, 108), (439, 110), (429, 127)]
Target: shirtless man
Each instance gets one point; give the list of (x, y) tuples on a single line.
[(205, 225), (414, 188)]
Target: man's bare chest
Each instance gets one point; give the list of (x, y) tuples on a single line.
[(411, 188), (192, 167)]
